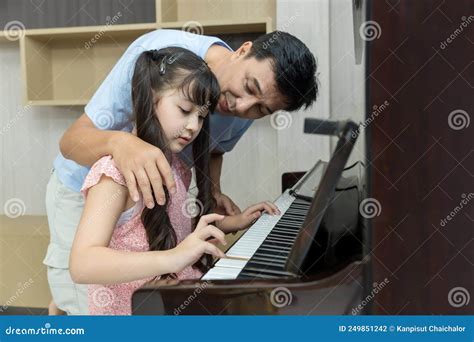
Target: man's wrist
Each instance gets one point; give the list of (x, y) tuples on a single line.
[(114, 141)]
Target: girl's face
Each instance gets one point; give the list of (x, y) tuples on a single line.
[(180, 118)]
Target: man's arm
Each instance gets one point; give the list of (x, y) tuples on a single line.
[(143, 165), (85, 144), (224, 203)]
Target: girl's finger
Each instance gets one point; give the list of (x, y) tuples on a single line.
[(213, 250), (212, 231)]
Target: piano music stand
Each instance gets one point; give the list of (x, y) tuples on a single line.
[(347, 131)]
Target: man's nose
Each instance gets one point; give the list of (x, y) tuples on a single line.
[(243, 104)]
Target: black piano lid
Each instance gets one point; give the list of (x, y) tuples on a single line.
[(348, 133)]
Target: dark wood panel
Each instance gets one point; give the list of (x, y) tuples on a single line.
[(61, 13), (421, 161)]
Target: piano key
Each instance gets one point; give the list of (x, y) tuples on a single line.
[(221, 273)]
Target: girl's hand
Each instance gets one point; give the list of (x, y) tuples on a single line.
[(196, 244), (247, 217)]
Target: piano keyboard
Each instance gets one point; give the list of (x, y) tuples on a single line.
[(262, 251)]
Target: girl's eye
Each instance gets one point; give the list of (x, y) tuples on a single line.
[(185, 111)]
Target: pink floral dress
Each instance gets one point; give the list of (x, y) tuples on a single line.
[(129, 235)]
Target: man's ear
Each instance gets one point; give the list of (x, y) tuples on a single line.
[(244, 49)]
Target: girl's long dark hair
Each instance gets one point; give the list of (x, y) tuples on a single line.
[(160, 70)]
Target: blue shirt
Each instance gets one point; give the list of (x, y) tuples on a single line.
[(111, 106)]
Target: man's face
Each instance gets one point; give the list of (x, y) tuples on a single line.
[(248, 87)]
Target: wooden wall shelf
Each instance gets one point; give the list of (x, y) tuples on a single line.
[(65, 66)]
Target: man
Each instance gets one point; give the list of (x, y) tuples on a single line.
[(276, 71)]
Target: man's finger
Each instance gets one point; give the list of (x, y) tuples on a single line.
[(156, 183), (132, 186), (144, 184), (166, 174)]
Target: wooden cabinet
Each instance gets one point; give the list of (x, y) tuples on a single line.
[(64, 66)]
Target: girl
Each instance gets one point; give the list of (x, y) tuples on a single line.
[(121, 244)]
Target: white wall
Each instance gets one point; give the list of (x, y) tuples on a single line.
[(29, 138)]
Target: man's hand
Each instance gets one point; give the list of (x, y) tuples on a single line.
[(145, 166), (225, 205)]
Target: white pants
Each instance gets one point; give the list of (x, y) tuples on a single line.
[(64, 208)]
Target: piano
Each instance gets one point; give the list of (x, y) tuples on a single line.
[(308, 260)]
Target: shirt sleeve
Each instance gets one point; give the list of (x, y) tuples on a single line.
[(228, 144)]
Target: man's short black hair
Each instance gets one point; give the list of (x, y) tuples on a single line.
[(294, 66)]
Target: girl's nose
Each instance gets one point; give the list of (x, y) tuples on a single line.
[(193, 123)]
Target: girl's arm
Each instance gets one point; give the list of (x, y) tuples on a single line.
[(91, 261)]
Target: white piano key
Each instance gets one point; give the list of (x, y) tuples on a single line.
[(221, 273), (231, 263), (249, 242)]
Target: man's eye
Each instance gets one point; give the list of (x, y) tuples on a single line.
[(247, 89)]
